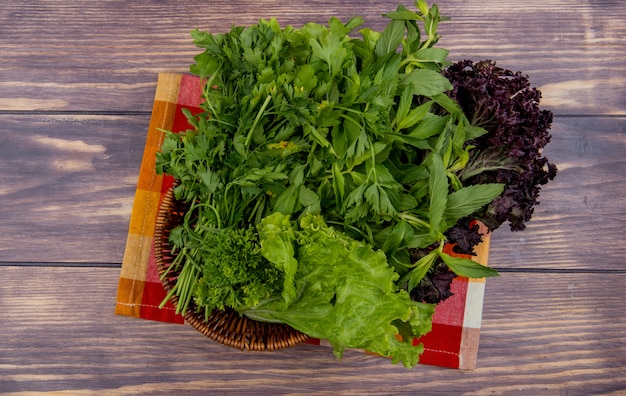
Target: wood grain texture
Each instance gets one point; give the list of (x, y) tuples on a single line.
[(70, 341), (105, 55), (68, 183), (580, 218), (77, 82)]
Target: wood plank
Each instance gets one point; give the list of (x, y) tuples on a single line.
[(68, 181), (580, 219), (541, 334), (77, 82), (67, 185), (105, 55)]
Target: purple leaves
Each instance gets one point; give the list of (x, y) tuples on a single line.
[(504, 103), (507, 107)]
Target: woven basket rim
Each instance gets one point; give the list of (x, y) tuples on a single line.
[(227, 327)]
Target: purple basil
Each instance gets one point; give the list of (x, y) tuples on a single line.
[(502, 102)]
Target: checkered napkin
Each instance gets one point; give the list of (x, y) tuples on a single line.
[(453, 341)]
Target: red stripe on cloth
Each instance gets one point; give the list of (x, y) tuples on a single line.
[(153, 295), (452, 310), (190, 98), (190, 92), (180, 120), (442, 345), (168, 181), (152, 272)]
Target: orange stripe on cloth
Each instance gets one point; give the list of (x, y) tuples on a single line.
[(147, 197)]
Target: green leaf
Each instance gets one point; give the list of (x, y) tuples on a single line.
[(386, 74), (459, 138), (421, 240), (339, 185), (447, 103), (443, 146), (381, 200), (414, 174), (202, 39), (472, 132), (390, 39), (466, 267), (399, 237), (406, 139), (426, 82), (317, 135), (407, 202), (372, 196), (469, 199), (277, 238), (191, 118), (210, 179), (309, 199), (421, 269), (356, 139), (286, 202), (347, 294), (306, 78), (413, 38), (403, 14), (431, 125), (330, 49), (355, 197), (336, 27), (434, 55), (365, 49), (438, 191), (423, 6), (354, 23), (406, 100), (415, 115)]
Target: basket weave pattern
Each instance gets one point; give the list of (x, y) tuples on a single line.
[(227, 327)]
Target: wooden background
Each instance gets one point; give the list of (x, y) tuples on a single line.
[(77, 81)]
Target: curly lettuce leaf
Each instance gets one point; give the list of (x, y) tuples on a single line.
[(277, 239), (345, 293)]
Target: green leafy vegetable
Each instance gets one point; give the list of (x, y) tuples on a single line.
[(516, 131), (438, 191), (468, 200), (277, 239), (469, 268), (318, 126), (235, 273), (346, 293)]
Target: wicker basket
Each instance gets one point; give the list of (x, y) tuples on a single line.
[(227, 327)]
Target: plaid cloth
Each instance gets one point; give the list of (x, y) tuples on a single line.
[(453, 341)]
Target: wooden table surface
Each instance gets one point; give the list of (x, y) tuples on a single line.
[(77, 80)]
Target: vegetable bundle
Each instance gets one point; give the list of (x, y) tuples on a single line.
[(328, 170)]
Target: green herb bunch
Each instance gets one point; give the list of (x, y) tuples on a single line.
[(351, 127)]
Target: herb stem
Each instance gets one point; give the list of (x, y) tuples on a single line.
[(207, 86), (415, 221), (256, 120)]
